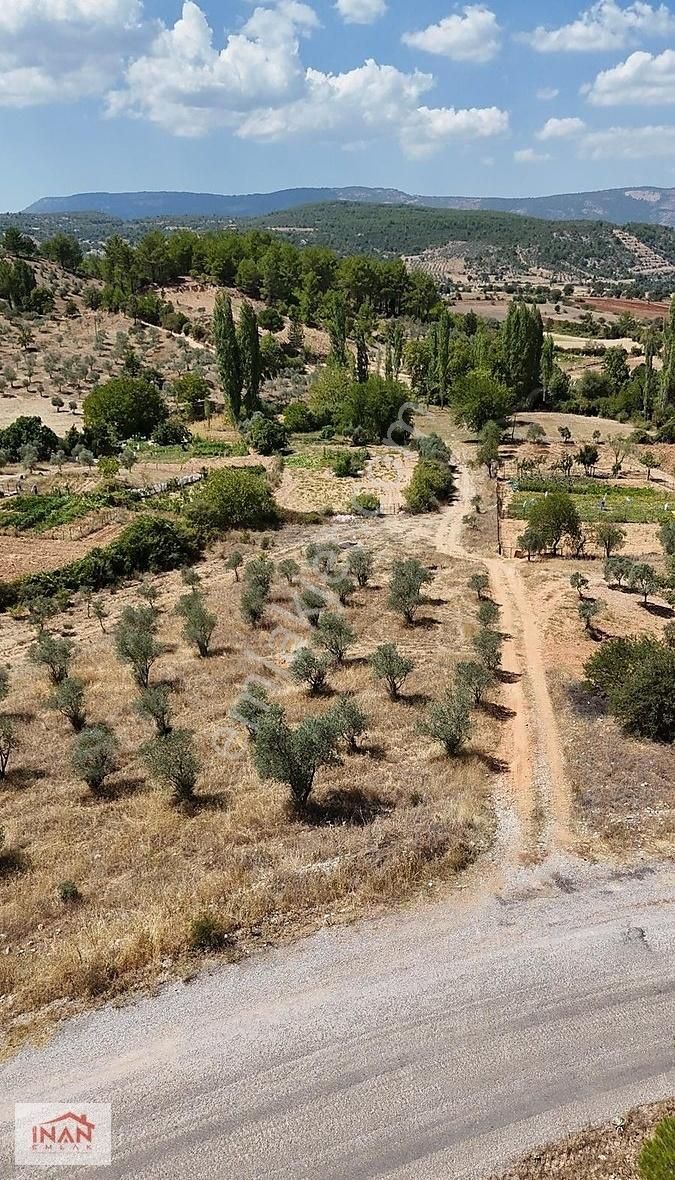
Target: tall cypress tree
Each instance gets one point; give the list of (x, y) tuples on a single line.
[(248, 340), (442, 354), (228, 358), (336, 323), (668, 372), (363, 330), (522, 344), (547, 364)]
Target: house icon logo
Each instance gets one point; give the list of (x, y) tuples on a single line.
[(47, 1134)]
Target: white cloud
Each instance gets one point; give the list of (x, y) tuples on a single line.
[(64, 50), (547, 93), (475, 36), (368, 102), (561, 129), (530, 156), (606, 25), (629, 143), (188, 87), (643, 79), (257, 86), (361, 12)]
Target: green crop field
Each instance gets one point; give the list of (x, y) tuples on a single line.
[(622, 504)]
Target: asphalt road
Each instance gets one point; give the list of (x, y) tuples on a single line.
[(437, 1044)]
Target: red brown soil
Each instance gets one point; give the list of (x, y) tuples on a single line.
[(639, 308)]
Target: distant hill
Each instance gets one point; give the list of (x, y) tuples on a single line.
[(654, 206)]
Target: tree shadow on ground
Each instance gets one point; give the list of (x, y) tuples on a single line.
[(425, 623), (656, 609), (413, 699), (353, 807), (496, 711), (494, 765), (506, 677), (585, 702), (20, 777)]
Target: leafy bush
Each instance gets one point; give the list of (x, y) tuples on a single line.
[(135, 641), (173, 760), (259, 574), (432, 484), (154, 702), (54, 654), (312, 603), (252, 605), (334, 634), (94, 756), (657, 1158), (488, 647), (448, 721), (349, 720), (366, 503), (294, 756), (299, 418), (405, 584), (199, 622), (68, 699), (270, 319), (232, 498), (310, 669), (131, 406), (361, 565), (637, 678), (266, 435), (251, 707), (473, 679)]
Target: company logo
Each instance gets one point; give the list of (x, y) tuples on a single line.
[(48, 1134)]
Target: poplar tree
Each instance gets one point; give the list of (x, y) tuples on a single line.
[(336, 323), (668, 371), (547, 364), (363, 329), (522, 347), (228, 357), (248, 341)]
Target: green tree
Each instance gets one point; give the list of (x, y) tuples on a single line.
[(308, 668), (547, 365), (312, 602), (336, 322), (473, 680), (615, 368), (522, 347), (192, 391), (610, 537), (251, 707), (232, 498), (54, 654), (587, 457), (531, 541), (173, 760), (479, 398), (154, 703), (389, 665), (643, 577), (131, 407), (667, 392), (289, 570), (252, 605), (334, 634), (199, 622), (448, 721), (579, 583), (589, 609), (408, 576), (361, 565), (235, 562), (618, 570), (68, 699), (294, 756), (488, 647), (480, 584), (363, 331), (637, 677), (228, 358), (249, 352), (349, 720), (553, 518), (94, 756), (135, 641)]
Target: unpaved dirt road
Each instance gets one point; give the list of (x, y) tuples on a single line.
[(433, 1045)]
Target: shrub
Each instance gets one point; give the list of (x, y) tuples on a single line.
[(54, 654), (172, 433), (488, 613), (235, 562), (135, 641), (206, 933), (323, 557), (310, 669), (609, 537), (531, 541), (658, 1154), (289, 570), (334, 634), (389, 665), (637, 678), (68, 699), (488, 647), (312, 603), (667, 537), (342, 587), (349, 720), (432, 484), (473, 679), (266, 435), (617, 569), (270, 319), (365, 503), (294, 756), (199, 622), (155, 703), (448, 721), (232, 498), (68, 892), (299, 419), (579, 583), (173, 760), (259, 574), (361, 565), (252, 605), (480, 584), (405, 585), (588, 611), (94, 755)]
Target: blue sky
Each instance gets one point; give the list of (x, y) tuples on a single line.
[(494, 98)]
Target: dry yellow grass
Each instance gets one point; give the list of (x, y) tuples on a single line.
[(395, 817)]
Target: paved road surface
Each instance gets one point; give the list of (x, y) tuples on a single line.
[(433, 1045)]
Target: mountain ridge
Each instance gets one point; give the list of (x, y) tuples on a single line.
[(640, 203)]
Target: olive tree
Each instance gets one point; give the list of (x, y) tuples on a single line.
[(334, 635), (54, 654), (8, 738), (588, 611), (488, 647), (235, 562), (448, 721), (94, 755), (68, 699), (289, 570), (361, 565), (473, 679), (294, 756), (579, 583), (199, 623), (311, 604), (643, 577), (251, 706), (389, 665), (480, 584), (135, 641), (349, 720), (308, 668), (609, 537), (252, 605), (154, 703), (172, 759), (408, 575)]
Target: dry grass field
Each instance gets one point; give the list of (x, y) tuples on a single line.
[(610, 1152), (393, 819)]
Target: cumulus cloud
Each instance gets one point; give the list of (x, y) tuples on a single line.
[(643, 79), (530, 156), (257, 86), (604, 26), (361, 12), (561, 129), (65, 50), (475, 36), (629, 143)]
